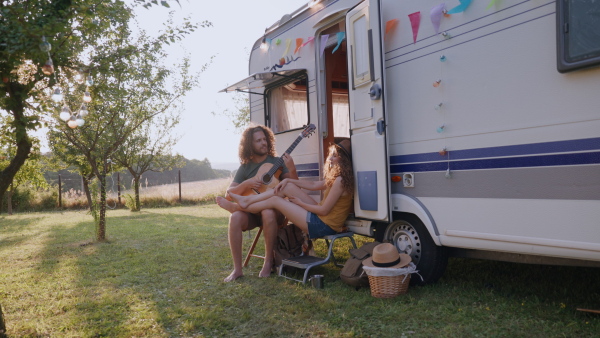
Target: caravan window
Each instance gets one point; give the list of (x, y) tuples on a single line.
[(578, 34), (288, 106), (361, 42)]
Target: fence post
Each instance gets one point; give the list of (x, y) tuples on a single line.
[(119, 188), (59, 192), (179, 175)]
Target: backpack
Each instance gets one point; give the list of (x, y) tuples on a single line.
[(290, 241), (352, 272)]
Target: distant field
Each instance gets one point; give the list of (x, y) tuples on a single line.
[(189, 190)]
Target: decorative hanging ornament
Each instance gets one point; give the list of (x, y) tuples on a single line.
[(437, 83), (48, 68), (438, 106), (441, 128), (448, 173), (446, 35), (443, 152), (83, 110), (89, 81), (45, 46), (87, 98), (72, 122), (443, 58), (79, 120), (57, 96), (65, 113)]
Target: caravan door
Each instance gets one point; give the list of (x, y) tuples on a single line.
[(367, 118)]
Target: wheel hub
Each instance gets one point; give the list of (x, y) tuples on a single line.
[(406, 239)]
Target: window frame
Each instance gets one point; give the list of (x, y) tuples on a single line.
[(565, 65), (283, 82)]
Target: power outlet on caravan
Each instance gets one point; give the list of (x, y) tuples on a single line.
[(409, 180)]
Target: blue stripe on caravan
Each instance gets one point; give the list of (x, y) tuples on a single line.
[(499, 163), (515, 150), (308, 173), (307, 166)]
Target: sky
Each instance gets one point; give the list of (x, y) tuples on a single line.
[(237, 24)]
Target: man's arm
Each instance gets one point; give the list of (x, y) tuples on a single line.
[(239, 188), (288, 161)]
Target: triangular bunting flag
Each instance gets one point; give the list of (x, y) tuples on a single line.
[(460, 8), (415, 21), (288, 42), (298, 45), (491, 4), (390, 26), (436, 16), (324, 39), (308, 40), (340, 38)]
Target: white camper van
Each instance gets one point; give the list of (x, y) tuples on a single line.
[(475, 125)]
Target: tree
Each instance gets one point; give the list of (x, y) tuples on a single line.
[(240, 117), (149, 149), (132, 86), (70, 29)]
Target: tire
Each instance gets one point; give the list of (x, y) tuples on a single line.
[(410, 236)]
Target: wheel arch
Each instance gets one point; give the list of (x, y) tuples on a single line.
[(405, 205)]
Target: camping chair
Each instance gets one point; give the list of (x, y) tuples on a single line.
[(251, 253)]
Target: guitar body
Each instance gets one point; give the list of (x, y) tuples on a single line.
[(268, 182)]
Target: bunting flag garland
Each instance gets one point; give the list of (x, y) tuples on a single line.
[(390, 25), (490, 4), (340, 37), (436, 16), (298, 44), (324, 39), (288, 42), (415, 21), (460, 8), (309, 40)]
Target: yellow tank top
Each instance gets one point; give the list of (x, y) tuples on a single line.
[(338, 214)]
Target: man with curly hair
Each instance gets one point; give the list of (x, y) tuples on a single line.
[(257, 147)]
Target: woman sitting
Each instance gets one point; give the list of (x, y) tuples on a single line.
[(315, 219)]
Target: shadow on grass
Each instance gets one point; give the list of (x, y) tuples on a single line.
[(12, 230)]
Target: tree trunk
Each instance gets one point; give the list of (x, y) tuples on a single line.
[(23, 148), (2, 324), (101, 232), (9, 195), (136, 189)]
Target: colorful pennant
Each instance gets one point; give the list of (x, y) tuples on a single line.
[(490, 4), (460, 8), (298, 44), (436, 16), (288, 42), (390, 26), (309, 40), (340, 37), (324, 39), (415, 21)]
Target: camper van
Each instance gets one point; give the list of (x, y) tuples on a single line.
[(475, 124)]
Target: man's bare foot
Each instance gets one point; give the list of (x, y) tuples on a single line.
[(241, 200), (233, 276), (227, 205), (266, 270)]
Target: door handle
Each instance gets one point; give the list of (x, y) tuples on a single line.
[(380, 127)]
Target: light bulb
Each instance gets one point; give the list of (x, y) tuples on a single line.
[(83, 110), (441, 128), (448, 173), (443, 58), (438, 106), (446, 35), (72, 122), (437, 83), (89, 81), (57, 96), (78, 77), (80, 121), (45, 46), (312, 3), (87, 98), (65, 113), (48, 68)]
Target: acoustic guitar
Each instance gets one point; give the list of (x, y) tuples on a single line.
[(268, 173)]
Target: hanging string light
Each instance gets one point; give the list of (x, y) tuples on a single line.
[(73, 119)]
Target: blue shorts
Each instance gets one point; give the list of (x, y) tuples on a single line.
[(316, 227)]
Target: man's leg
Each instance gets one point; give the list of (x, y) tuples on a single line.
[(239, 221), (270, 227)]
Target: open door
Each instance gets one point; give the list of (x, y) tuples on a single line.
[(367, 116)]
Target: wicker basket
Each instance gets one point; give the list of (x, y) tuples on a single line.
[(388, 286)]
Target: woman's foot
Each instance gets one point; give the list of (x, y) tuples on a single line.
[(242, 201), (227, 205), (233, 276)]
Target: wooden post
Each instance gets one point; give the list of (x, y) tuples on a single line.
[(179, 185), (119, 188), (59, 192), (2, 324)]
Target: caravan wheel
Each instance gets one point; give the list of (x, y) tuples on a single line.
[(410, 236)]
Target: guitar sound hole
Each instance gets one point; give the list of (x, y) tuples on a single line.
[(266, 179)]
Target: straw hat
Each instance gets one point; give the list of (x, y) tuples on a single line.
[(386, 256)]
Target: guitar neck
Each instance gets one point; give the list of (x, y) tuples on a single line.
[(289, 150)]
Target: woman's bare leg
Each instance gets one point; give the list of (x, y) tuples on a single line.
[(295, 213), (289, 191)]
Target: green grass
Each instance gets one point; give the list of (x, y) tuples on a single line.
[(161, 272)]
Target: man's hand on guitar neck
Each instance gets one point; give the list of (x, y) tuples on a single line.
[(290, 165)]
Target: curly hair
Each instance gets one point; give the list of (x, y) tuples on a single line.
[(343, 169), (246, 151)]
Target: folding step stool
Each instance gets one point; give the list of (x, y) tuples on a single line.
[(308, 262)]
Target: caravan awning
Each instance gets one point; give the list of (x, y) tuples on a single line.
[(261, 80)]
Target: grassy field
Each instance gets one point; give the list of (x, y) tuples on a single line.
[(160, 275)]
